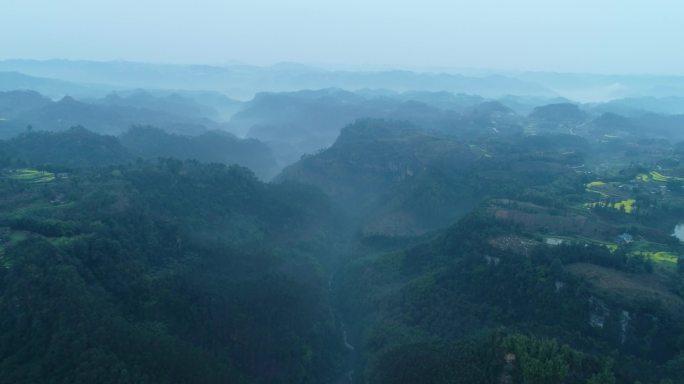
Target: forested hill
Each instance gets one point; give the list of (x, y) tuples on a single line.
[(467, 243), (485, 289), (163, 272), (78, 147), (498, 256), (396, 179), (211, 147)]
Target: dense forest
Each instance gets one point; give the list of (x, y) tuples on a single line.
[(164, 271), (336, 236)]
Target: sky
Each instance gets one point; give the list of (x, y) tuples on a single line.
[(596, 36)]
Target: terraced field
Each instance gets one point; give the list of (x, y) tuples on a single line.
[(657, 176), (597, 187), (627, 205), (659, 256), (628, 285), (31, 175), (556, 240)]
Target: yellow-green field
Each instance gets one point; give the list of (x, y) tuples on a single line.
[(32, 175), (626, 206), (657, 176), (659, 256), (595, 186)]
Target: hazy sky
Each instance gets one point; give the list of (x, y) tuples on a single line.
[(608, 36)]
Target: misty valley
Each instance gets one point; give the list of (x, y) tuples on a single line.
[(190, 224)]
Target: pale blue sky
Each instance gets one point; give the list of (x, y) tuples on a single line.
[(604, 36)]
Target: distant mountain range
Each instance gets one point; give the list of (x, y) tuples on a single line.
[(11, 81), (91, 78), (245, 81)]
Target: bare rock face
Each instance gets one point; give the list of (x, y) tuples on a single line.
[(624, 323), (506, 376), (599, 313)]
